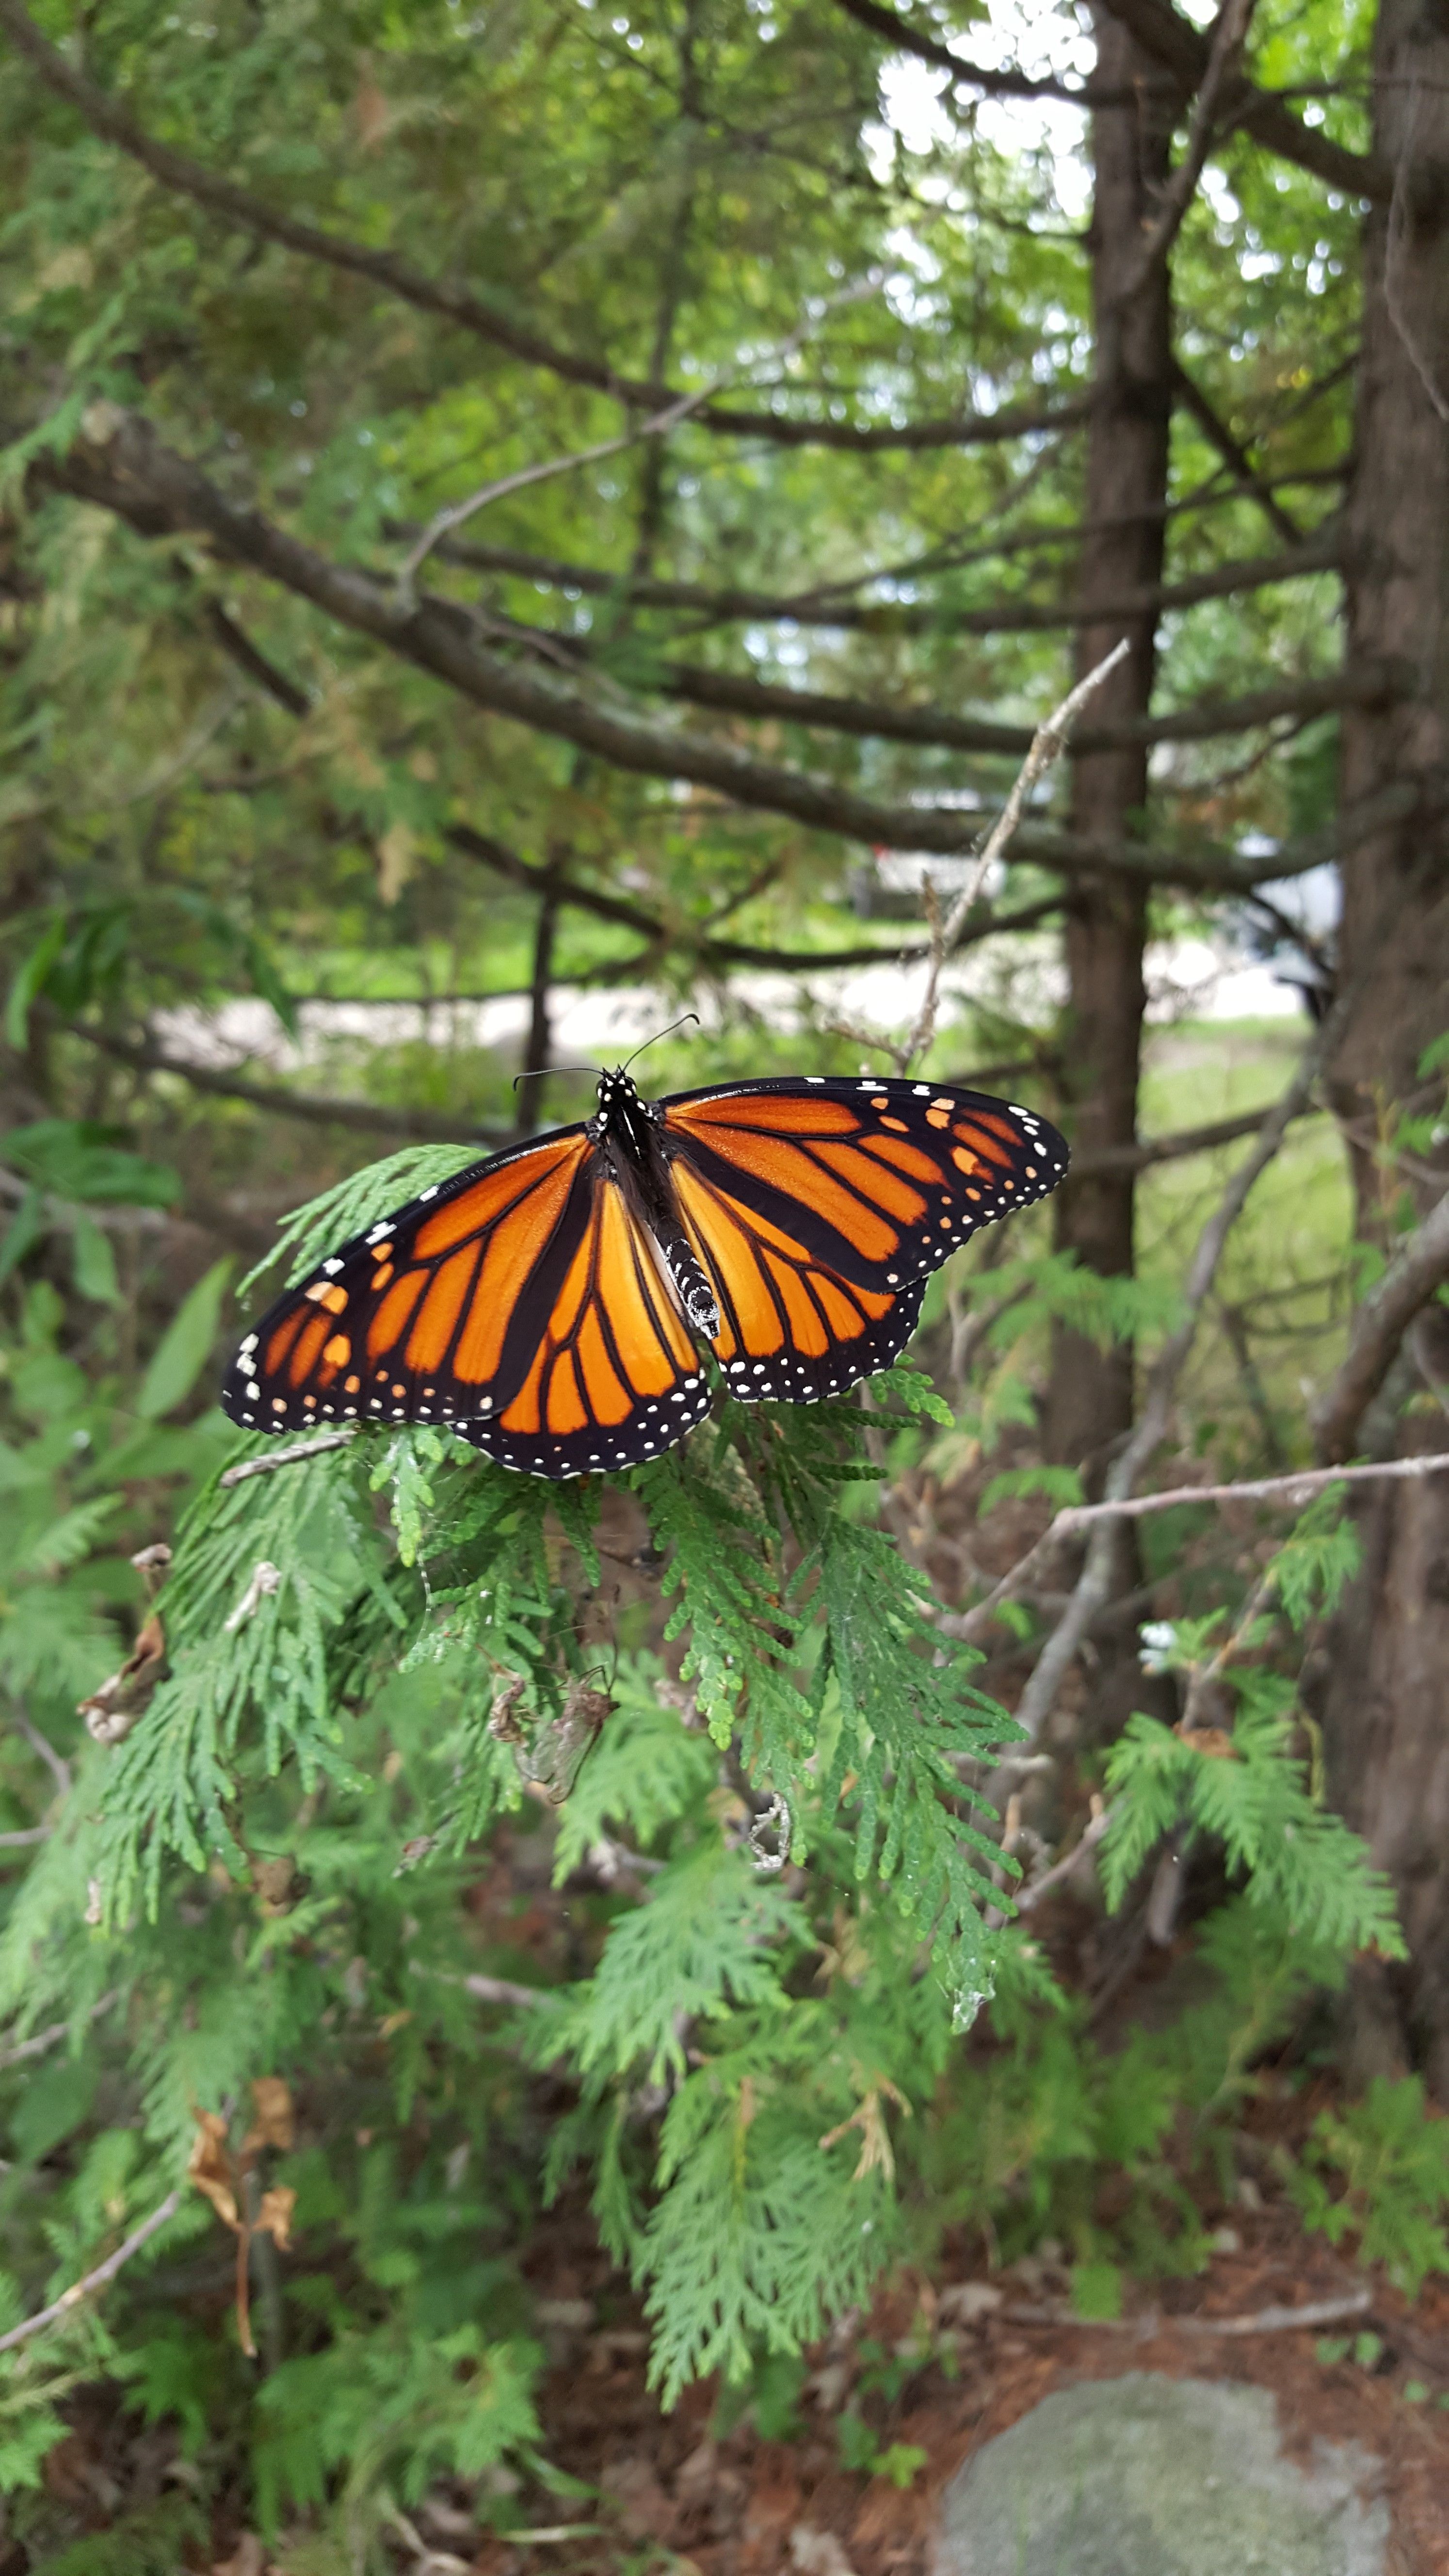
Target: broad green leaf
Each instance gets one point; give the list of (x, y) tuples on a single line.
[(31, 979), (185, 1347), (94, 1262), (83, 1158)]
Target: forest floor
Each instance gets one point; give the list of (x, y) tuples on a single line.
[(971, 2355)]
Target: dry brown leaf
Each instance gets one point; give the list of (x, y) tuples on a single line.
[(275, 2124), (209, 2167), (1209, 1740), (112, 1709), (274, 2218)]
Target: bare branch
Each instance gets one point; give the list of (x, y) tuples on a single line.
[(96, 2280), (739, 694), (1225, 48), (1047, 747), (415, 1125), (1174, 42), (295, 1455), (681, 408), (1235, 456), (1026, 1898), (41, 2042), (457, 513), (1292, 1490), (501, 1990), (1093, 1585), (1420, 1266), (120, 464), (1270, 2320)]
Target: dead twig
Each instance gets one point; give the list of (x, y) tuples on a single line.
[(1048, 744), (41, 2040), (1293, 1490), (1272, 2320), (658, 425), (294, 1455), (1094, 1584), (96, 2280), (1101, 1818)]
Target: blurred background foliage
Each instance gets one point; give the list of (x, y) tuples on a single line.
[(309, 844)]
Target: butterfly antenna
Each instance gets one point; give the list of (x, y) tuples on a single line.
[(538, 1071), (658, 1034)]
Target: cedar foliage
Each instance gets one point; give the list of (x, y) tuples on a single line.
[(769, 2081)]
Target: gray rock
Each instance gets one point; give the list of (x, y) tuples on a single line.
[(1144, 2476)]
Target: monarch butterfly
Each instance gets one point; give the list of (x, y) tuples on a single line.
[(549, 1304)]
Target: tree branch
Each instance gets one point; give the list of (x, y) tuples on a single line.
[(1093, 1585), (1225, 50), (1320, 552), (413, 1125), (120, 464), (97, 2279), (186, 177), (1234, 456), (903, 38), (1293, 1490), (1419, 1268), (736, 694), (1173, 42)]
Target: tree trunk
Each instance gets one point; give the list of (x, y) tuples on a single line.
[(1089, 1401), (1384, 1698)]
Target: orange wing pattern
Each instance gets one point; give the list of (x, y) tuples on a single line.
[(820, 1208), (520, 1303), (535, 1302), (615, 1377)]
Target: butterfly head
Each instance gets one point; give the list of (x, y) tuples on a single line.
[(621, 1111)]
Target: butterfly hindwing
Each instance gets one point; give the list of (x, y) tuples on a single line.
[(614, 1376)]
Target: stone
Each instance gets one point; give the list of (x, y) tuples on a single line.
[(1146, 2476)]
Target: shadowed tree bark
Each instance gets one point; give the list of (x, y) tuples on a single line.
[(1089, 1401), (1385, 1691)]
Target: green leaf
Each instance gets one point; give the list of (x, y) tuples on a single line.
[(22, 1233), (185, 1347), (53, 2104), (94, 1262), (80, 1158), (31, 980)]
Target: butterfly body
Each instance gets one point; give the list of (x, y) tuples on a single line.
[(550, 1303)]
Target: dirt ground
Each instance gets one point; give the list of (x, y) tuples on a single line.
[(680, 2493)]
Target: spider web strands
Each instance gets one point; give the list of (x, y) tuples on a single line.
[(120, 464), (184, 176)]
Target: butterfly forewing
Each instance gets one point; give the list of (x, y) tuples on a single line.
[(821, 1208), (425, 1318)]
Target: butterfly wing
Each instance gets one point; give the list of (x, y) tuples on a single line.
[(820, 1208), (519, 1302), (614, 1376), (424, 1317)]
